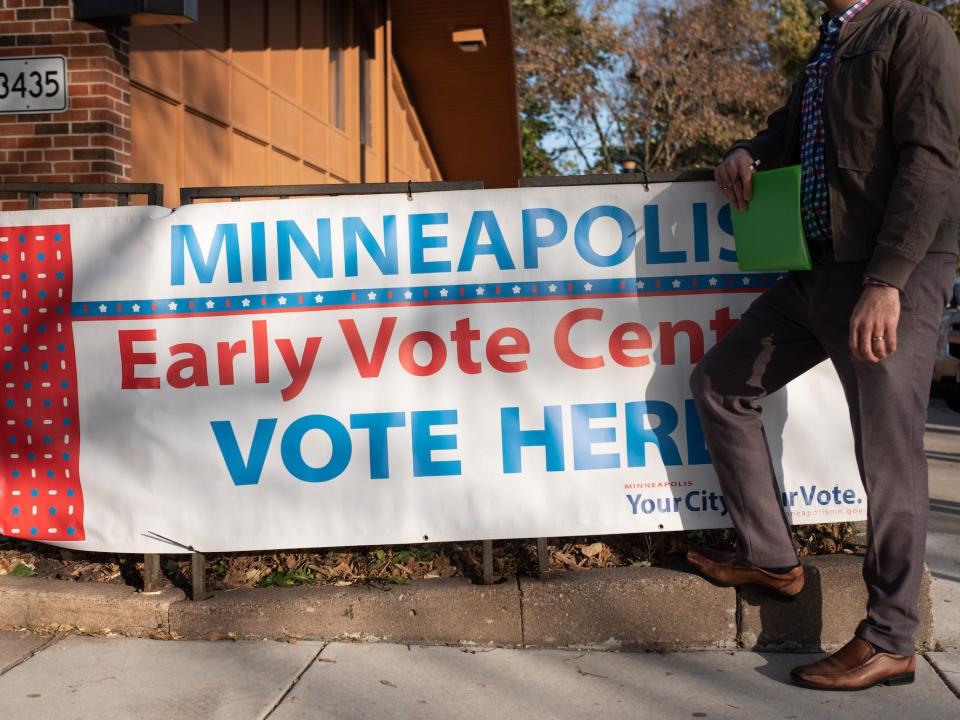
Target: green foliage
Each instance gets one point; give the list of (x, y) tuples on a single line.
[(391, 580), (793, 33), (21, 570), (950, 9), (418, 552), (301, 575), (537, 160), (671, 82), (562, 55)]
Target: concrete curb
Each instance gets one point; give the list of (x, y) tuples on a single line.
[(447, 611), (91, 607), (632, 608)]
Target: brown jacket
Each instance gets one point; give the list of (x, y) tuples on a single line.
[(892, 116)]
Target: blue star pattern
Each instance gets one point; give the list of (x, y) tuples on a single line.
[(330, 299)]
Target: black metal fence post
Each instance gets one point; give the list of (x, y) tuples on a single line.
[(487, 572), (543, 558), (198, 577), (151, 573)]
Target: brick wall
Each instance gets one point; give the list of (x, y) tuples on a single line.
[(90, 141)]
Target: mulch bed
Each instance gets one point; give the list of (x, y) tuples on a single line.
[(396, 564)]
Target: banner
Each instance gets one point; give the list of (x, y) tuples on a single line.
[(377, 369)]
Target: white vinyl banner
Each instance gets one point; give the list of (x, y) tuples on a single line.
[(377, 369)]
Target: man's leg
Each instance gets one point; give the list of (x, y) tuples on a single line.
[(770, 346), (888, 410)]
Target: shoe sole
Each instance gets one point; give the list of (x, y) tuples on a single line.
[(905, 679), (770, 592)]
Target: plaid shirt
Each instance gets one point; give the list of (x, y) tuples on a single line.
[(815, 195)]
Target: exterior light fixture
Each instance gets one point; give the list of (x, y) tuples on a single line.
[(628, 163), (136, 12), (470, 40)]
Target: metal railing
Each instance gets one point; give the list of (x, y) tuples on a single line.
[(189, 194), (123, 191)]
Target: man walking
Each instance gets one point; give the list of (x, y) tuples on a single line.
[(874, 121)]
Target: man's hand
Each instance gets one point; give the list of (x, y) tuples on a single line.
[(733, 176), (873, 325)]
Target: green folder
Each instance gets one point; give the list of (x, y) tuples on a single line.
[(769, 233)]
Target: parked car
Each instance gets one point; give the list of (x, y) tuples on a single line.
[(946, 372)]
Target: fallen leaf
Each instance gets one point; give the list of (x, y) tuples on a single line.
[(592, 550)]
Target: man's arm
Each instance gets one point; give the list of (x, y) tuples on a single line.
[(923, 90)]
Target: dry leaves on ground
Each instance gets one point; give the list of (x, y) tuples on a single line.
[(394, 565)]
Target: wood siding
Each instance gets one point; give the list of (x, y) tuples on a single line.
[(242, 97)]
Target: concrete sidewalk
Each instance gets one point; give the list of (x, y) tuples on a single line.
[(85, 677)]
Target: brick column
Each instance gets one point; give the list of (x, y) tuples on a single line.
[(90, 141)]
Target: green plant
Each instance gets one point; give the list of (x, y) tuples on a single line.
[(21, 570), (391, 580), (288, 578)]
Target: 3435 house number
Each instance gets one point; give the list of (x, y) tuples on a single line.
[(33, 84)]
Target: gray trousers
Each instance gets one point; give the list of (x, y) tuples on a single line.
[(798, 323)]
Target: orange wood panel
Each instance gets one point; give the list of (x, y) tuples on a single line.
[(341, 149), (284, 170), (155, 139), (283, 41), (313, 175), (209, 82), (315, 136), (467, 102), (285, 124), (249, 161), (313, 52), (246, 101), (409, 154), (249, 105), (211, 29), (206, 148), (156, 62), (248, 36)]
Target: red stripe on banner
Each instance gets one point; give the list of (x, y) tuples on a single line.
[(40, 493)]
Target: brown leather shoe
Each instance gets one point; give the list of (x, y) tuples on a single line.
[(721, 568), (856, 666)]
